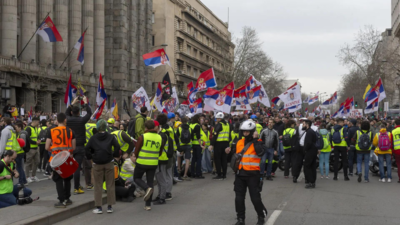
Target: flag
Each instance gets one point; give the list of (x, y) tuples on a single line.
[(30, 113), (313, 100), (125, 106), (192, 95), (190, 87), (167, 87), (69, 92), (373, 107), (196, 107), (367, 91), (101, 93), (306, 111), (206, 80), (335, 114), (79, 46), (276, 101), (334, 98), (376, 92), (242, 102), (114, 109), (249, 83), (48, 31), (158, 99), (306, 100), (184, 108), (170, 104), (140, 99), (294, 108), (219, 100), (349, 105), (156, 58), (263, 97), (291, 97), (326, 103), (230, 86), (99, 110), (253, 94)]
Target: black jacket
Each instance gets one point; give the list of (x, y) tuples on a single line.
[(99, 148), (279, 127), (350, 133), (77, 125), (217, 129), (309, 141)]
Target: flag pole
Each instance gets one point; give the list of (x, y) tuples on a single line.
[(70, 52), (33, 35)]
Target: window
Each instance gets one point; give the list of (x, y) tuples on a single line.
[(189, 28), (195, 53), (180, 66), (180, 46), (153, 40), (152, 18), (189, 50), (195, 33), (208, 42), (189, 70), (194, 72), (212, 62), (201, 37), (201, 56), (179, 24), (207, 58)]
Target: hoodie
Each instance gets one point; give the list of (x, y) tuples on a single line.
[(375, 142), (350, 133), (100, 148), (5, 135)]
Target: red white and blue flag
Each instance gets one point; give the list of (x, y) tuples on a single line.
[(313, 100), (219, 100), (196, 107), (306, 111), (373, 107), (101, 93), (96, 115), (249, 83), (156, 58), (253, 94), (276, 101), (190, 87), (79, 46), (158, 99), (377, 92), (335, 114), (70, 92), (206, 80), (242, 102), (334, 98), (48, 31)]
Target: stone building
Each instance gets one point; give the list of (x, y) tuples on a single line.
[(118, 34), (195, 40)]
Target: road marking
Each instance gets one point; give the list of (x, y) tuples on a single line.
[(276, 213)]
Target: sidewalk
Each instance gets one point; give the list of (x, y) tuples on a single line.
[(43, 211)]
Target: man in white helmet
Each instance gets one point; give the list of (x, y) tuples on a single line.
[(220, 140), (248, 175)]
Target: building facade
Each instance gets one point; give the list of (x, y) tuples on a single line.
[(195, 40), (118, 34)]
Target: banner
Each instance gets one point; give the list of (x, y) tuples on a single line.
[(291, 97), (356, 113), (140, 99), (171, 103)]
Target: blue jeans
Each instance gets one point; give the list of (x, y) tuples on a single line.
[(366, 163), (268, 155), (11, 198), (351, 154), (206, 164), (324, 158), (196, 161), (20, 168), (388, 158), (281, 150)]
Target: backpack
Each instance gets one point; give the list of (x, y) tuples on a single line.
[(42, 134), (185, 136), (27, 142), (132, 127), (364, 142), (326, 141), (287, 140), (319, 143), (384, 143), (336, 137)]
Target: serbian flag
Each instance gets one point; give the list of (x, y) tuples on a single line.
[(326, 103), (335, 114), (79, 46), (313, 100), (70, 92), (242, 102), (101, 92), (373, 107), (306, 111), (30, 113), (158, 98), (349, 105), (377, 92), (276, 101), (253, 94), (334, 98), (48, 31), (230, 86), (114, 109), (99, 110), (156, 58), (219, 100), (190, 87), (196, 107), (249, 83), (192, 95), (206, 80)]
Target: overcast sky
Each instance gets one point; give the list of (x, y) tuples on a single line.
[(305, 35)]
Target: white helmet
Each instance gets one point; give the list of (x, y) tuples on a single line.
[(190, 115), (248, 125), (219, 115)]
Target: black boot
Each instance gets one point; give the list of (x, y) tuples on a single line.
[(261, 221), (240, 221), (294, 179), (269, 178), (159, 202), (156, 199), (310, 185)]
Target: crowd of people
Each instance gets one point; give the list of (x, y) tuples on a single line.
[(129, 158)]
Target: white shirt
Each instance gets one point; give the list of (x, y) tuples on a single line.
[(301, 132)]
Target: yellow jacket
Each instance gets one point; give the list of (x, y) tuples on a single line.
[(376, 141)]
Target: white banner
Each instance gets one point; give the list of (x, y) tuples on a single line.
[(356, 113), (263, 97), (171, 103), (183, 110), (291, 97), (140, 99)]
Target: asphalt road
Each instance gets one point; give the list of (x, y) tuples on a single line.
[(212, 202)]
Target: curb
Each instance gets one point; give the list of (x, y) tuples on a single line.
[(59, 215)]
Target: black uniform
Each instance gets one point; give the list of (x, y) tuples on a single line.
[(310, 159), (220, 156)]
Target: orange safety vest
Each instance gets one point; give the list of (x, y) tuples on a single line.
[(250, 159), (60, 141)]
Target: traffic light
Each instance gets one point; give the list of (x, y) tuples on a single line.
[(356, 104)]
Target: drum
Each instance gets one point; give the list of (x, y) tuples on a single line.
[(64, 164)]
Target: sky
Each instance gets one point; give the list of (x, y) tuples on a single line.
[(305, 36)]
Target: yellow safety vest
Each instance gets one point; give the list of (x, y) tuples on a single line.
[(42, 129), (341, 144), (291, 132), (125, 174), (163, 156), (6, 186), (329, 148), (259, 128), (205, 137), (21, 150), (195, 138), (171, 135), (124, 146), (149, 153), (224, 134), (180, 135), (89, 131), (34, 136), (358, 137), (233, 136), (396, 139), (9, 144)]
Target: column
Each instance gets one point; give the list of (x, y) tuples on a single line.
[(9, 24), (87, 22), (28, 28), (120, 42), (141, 41), (108, 37), (45, 49), (132, 42), (148, 44), (61, 21), (74, 32), (99, 36)]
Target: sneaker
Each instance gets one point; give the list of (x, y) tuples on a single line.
[(346, 178), (26, 184), (168, 197), (156, 199), (366, 181), (269, 178), (147, 208), (68, 202), (110, 209), (98, 211), (286, 177), (78, 191), (351, 174), (186, 178), (389, 180), (35, 179), (178, 179), (199, 177), (60, 205), (240, 221), (335, 178), (38, 171), (327, 177), (148, 194), (261, 221), (90, 187), (46, 173), (359, 177), (273, 174), (29, 180), (218, 178), (159, 202), (383, 180), (322, 177)]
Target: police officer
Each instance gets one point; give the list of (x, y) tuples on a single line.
[(220, 140), (110, 127), (248, 175), (125, 141)]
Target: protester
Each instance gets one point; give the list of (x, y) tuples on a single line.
[(340, 148), (136, 127), (353, 128), (363, 152), (196, 147), (219, 143), (19, 128), (311, 152), (289, 137), (279, 126), (395, 137), (184, 134), (270, 139), (33, 155), (44, 157), (383, 148)]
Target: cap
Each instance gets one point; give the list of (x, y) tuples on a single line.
[(156, 123)]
